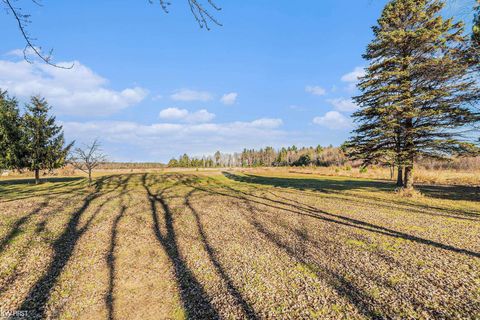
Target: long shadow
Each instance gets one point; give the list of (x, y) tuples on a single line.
[(406, 207), (330, 185), (35, 302), (339, 283), (195, 300), (25, 191), (327, 186), (32, 181), (345, 221), (246, 308), (109, 298), (15, 229)]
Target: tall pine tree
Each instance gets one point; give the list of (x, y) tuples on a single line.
[(476, 37), (418, 88), (44, 141), (476, 26)]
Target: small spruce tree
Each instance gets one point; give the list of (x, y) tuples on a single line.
[(44, 141)]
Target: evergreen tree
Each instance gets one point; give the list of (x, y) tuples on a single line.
[(476, 38), (44, 141), (217, 156), (417, 89), (11, 148), (476, 27), (172, 163)]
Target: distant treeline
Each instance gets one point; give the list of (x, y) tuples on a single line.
[(130, 165), (266, 157), (300, 157)]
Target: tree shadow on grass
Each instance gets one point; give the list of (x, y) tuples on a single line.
[(248, 311), (17, 226), (31, 181), (342, 286), (35, 302), (109, 298), (334, 218), (17, 230), (195, 300), (20, 190), (334, 185), (329, 186)]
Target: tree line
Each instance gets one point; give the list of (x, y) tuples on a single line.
[(420, 94), (266, 157)]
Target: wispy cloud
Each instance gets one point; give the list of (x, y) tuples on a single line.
[(186, 116), (229, 98), (296, 107), (315, 90), (333, 120), (191, 95), (343, 105), (352, 77)]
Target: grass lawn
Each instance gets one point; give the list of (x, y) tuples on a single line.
[(235, 245)]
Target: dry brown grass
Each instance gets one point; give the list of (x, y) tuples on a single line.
[(205, 245), (434, 175), (422, 176)]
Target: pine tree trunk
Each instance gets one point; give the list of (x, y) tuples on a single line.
[(400, 177), (37, 176), (408, 181)]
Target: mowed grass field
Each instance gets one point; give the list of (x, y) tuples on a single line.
[(235, 245)]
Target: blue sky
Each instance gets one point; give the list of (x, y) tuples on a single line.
[(152, 85)]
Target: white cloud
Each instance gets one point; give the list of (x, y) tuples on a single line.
[(161, 141), (76, 91), (343, 105), (200, 116), (191, 95), (352, 77), (186, 116), (315, 90), (173, 113), (333, 120), (229, 98), (267, 123)]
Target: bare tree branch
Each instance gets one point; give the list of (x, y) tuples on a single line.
[(22, 21), (88, 158), (199, 11)]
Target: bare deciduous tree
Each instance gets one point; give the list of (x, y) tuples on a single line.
[(88, 158)]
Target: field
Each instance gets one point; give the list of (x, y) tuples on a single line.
[(233, 245)]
